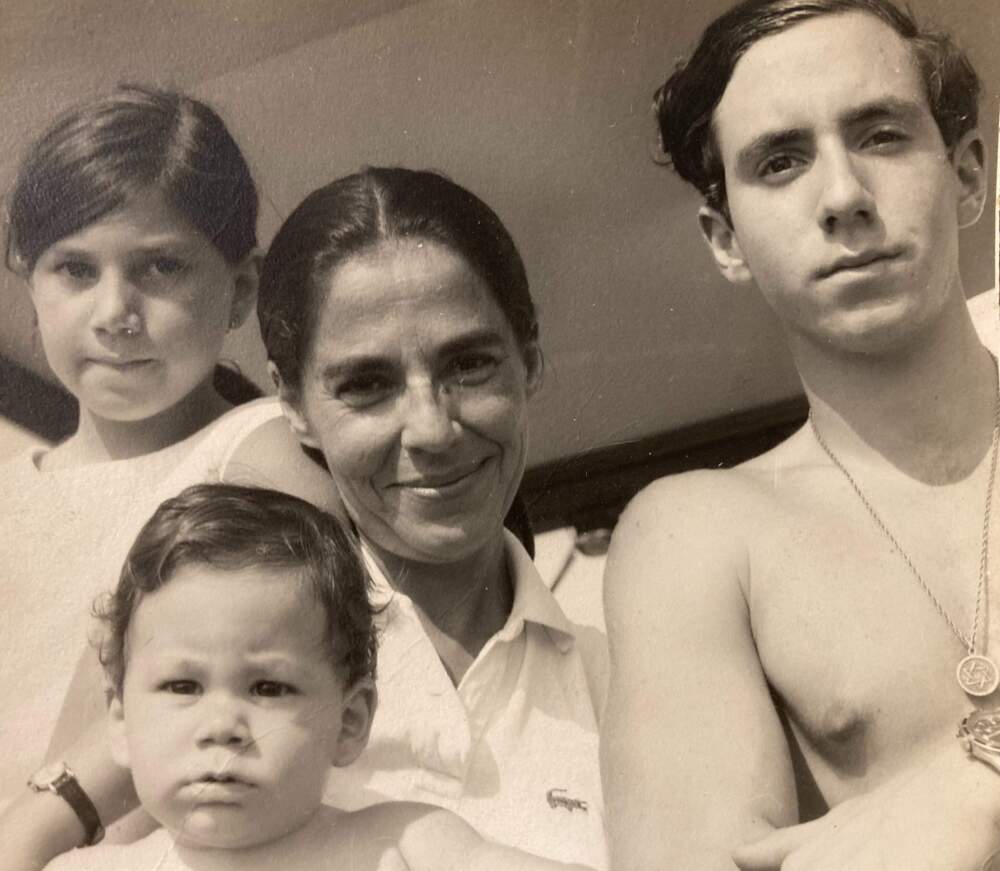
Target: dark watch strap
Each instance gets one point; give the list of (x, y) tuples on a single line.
[(66, 786)]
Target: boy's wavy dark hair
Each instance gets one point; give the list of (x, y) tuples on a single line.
[(230, 528), (685, 104)]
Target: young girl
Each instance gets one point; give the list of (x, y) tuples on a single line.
[(133, 223)]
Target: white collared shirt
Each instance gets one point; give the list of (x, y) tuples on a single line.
[(513, 749)]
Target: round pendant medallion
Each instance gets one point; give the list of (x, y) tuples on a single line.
[(978, 675)]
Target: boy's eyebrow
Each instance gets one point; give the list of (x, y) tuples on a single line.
[(748, 156), (888, 107)]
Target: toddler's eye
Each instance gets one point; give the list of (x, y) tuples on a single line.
[(181, 687), (272, 689)]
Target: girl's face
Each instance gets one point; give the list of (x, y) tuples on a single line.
[(416, 390), (132, 309)]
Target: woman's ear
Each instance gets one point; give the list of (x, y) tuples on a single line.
[(289, 399), (116, 729), (969, 159), (356, 715), (725, 247), (246, 280), (534, 363)]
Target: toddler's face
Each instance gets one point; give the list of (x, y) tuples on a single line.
[(231, 710)]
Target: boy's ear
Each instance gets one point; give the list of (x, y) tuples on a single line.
[(116, 729), (289, 400), (969, 159), (725, 247), (246, 280), (360, 701)]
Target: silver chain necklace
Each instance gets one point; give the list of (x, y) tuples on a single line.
[(977, 674)]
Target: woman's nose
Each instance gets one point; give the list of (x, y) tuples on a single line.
[(116, 309), (428, 421), (224, 724), (845, 199)]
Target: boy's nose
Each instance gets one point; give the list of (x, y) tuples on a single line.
[(224, 725)]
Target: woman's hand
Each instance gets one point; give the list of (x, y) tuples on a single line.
[(940, 815)]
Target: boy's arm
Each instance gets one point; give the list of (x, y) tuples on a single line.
[(693, 755), (435, 839)]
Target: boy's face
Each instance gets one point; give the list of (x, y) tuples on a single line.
[(231, 710), (845, 203)]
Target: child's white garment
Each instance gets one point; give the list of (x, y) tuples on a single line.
[(63, 537)]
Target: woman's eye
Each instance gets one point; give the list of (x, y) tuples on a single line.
[(272, 689), (363, 390), (181, 687), (77, 270), (472, 369)]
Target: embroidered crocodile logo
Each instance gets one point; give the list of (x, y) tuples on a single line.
[(558, 798)]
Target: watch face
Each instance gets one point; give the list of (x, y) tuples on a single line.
[(47, 775), (984, 728)]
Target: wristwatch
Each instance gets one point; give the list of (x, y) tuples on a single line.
[(58, 778), (980, 735)]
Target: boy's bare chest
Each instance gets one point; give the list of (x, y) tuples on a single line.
[(861, 648)]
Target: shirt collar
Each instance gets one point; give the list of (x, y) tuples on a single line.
[(533, 601)]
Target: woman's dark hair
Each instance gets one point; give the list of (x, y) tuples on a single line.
[(232, 528), (356, 213), (685, 104), (95, 158)]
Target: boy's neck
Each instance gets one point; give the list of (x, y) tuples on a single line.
[(928, 408), (98, 439), (300, 850)]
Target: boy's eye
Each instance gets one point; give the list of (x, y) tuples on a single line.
[(779, 165), (884, 136), (181, 687), (272, 689)]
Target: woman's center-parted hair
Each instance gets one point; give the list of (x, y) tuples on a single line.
[(356, 213), (229, 527), (98, 156)]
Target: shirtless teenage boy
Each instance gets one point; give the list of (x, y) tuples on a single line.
[(785, 635)]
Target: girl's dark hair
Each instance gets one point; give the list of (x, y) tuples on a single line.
[(231, 528), (356, 213), (95, 158), (685, 104)]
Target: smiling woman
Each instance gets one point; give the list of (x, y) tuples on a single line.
[(402, 336)]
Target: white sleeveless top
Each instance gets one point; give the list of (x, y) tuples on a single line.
[(64, 534)]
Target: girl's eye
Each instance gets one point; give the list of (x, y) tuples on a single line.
[(77, 270), (165, 267), (272, 689), (472, 369), (181, 687)]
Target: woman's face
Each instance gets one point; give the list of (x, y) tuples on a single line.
[(415, 390)]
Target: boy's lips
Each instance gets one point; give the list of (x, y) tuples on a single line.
[(861, 260)]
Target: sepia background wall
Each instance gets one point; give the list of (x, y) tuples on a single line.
[(539, 106)]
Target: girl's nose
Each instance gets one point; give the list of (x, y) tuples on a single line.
[(116, 310)]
